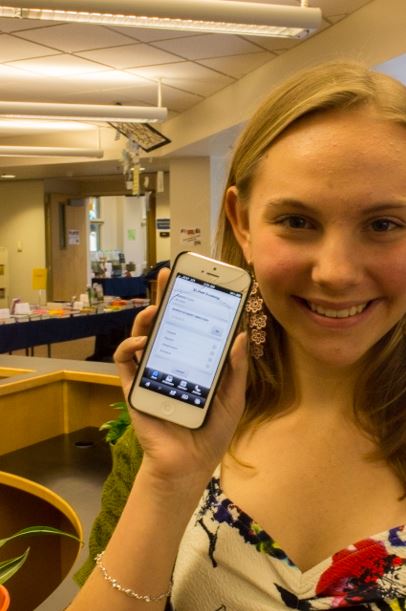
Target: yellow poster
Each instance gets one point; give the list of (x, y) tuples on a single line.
[(39, 279)]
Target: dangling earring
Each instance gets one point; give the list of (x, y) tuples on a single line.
[(256, 321)]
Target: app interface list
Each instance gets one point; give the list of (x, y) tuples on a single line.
[(190, 340)]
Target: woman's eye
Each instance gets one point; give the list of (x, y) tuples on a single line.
[(295, 222), (383, 225)]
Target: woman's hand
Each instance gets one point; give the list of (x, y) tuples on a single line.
[(172, 452)]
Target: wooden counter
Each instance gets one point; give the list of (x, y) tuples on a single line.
[(41, 398)]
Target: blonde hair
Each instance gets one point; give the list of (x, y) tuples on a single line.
[(380, 397)]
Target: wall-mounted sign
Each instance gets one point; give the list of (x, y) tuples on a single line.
[(190, 236), (73, 237), (39, 278), (163, 224)]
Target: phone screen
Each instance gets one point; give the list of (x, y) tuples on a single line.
[(191, 338)]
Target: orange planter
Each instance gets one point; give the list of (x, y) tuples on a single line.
[(4, 599)]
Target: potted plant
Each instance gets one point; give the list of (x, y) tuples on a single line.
[(9, 567)]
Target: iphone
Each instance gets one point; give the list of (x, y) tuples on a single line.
[(192, 334)]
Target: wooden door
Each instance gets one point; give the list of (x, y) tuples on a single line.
[(67, 251)]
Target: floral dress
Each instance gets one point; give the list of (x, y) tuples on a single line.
[(227, 562)]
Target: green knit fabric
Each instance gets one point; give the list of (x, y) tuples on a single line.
[(127, 456)]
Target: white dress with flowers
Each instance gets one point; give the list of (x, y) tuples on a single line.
[(227, 562)]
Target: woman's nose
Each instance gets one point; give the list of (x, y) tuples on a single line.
[(337, 264)]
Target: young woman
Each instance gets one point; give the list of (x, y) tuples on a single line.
[(304, 448)]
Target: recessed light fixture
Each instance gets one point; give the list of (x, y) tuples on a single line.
[(4, 176)]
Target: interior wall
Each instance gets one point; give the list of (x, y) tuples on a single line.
[(110, 238), (190, 197), (22, 232), (134, 232), (123, 227), (163, 244)]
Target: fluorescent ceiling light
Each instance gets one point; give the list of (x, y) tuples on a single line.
[(87, 112), (38, 125), (218, 16), (49, 151)]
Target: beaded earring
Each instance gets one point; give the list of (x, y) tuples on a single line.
[(256, 321)]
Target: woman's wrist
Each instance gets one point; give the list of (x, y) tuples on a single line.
[(172, 488)]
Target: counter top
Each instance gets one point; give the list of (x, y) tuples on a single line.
[(20, 372)]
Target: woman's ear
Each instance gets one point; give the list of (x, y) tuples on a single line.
[(237, 214)]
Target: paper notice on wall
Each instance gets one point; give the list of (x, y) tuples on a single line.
[(73, 237), (190, 236), (39, 278), (131, 234)]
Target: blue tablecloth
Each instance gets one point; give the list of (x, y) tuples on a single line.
[(51, 330), (123, 287)]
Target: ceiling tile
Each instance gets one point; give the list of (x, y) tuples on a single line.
[(38, 88), (237, 66), (207, 45), (12, 48), (57, 65), (71, 37), (130, 56), (187, 76), (134, 95), (149, 35), (273, 44), (177, 100), (8, 24)]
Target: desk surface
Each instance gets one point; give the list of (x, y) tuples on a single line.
[(51, 330)]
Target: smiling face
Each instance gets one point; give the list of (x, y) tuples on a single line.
[(325, 230)]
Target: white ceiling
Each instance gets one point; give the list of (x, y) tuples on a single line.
[(60, 62)]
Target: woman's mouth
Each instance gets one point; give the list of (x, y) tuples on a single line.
[(337, 313)]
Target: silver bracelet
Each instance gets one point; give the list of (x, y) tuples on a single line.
[(128, 591)]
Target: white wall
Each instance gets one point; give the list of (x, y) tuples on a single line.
[(134, 221), (190, 201), (110, 235), (162, 211), (23, 220), (120, 214)]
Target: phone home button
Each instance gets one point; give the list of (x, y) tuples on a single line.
[(167, 408)]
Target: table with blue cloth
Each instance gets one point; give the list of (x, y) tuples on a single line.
[(124, 287), (109, 328)]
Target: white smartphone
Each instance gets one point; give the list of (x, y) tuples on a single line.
[(190, 340)]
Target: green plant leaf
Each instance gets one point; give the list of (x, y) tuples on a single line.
[(37, 530), (9, 567), (115, 428)]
